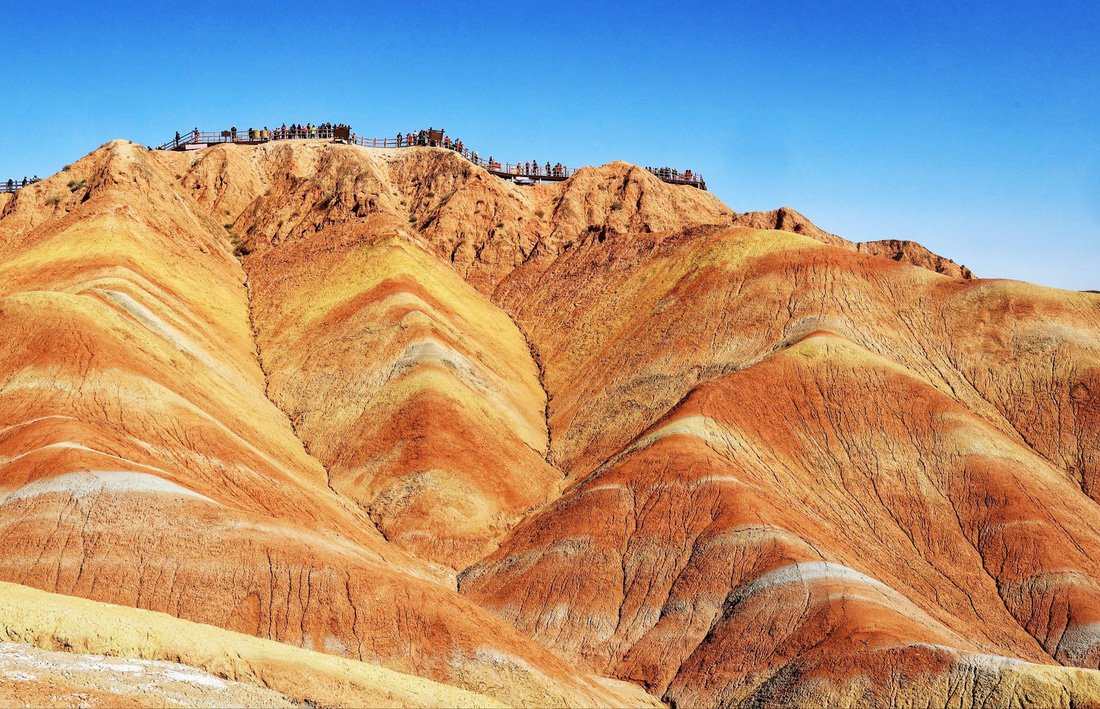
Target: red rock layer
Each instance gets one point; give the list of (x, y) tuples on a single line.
[(823, 505), (627, 326)]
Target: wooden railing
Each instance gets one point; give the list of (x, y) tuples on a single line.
[(380, 142), (256, 136), (13, 187), (535, 172), (506, 170)]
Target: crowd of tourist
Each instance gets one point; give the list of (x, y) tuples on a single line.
[(529, 168), (293, 131), (12, 184), (297, 130), (282, 132), (671, 173), (431, 138)]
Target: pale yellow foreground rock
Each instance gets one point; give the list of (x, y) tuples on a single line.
[(32, 677), (54, 622)]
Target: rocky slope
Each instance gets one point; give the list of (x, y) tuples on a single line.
[(130, 657), (760, 531), (786, 219), (600, 442)]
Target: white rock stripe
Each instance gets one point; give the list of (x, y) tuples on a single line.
[(93, 482), (5, 429), (81, 447)]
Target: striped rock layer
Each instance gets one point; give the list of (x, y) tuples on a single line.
[(598, 443)]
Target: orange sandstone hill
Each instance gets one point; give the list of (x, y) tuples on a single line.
[(314, 423)]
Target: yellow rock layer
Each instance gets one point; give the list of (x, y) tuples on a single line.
[(55, 622)]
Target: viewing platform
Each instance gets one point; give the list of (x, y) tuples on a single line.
[(13, 186), (520, 173)]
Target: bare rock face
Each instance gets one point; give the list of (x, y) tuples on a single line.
[(786, 219), (760, 530), (914, 253), (603, 442)]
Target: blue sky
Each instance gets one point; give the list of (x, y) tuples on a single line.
[(971, 127)]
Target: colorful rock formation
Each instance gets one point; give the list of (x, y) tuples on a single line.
[(601, 442)]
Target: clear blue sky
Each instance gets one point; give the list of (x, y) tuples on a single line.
[(970, 127)]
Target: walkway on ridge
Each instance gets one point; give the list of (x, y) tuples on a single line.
[(197, 140)]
